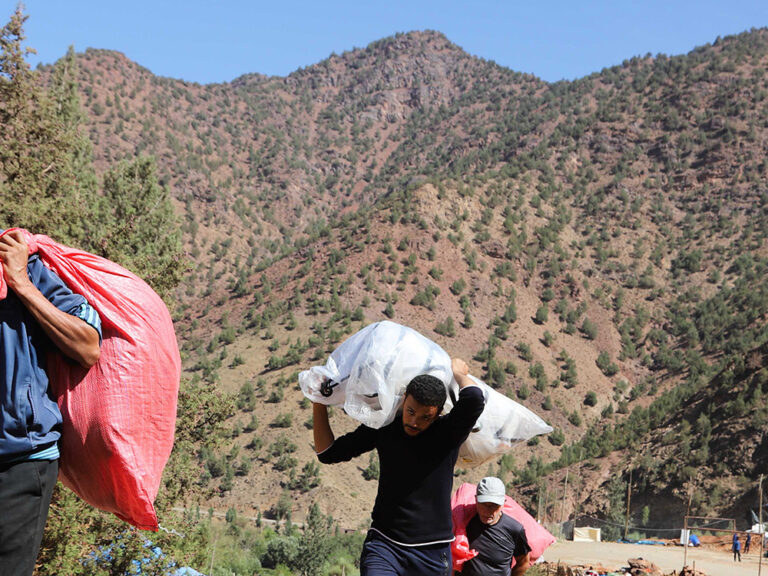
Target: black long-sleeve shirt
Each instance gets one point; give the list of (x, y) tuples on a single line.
[(413, 503)]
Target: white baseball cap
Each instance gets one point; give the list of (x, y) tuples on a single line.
[(491, 489)]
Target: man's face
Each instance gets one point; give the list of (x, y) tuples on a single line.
[(417, 417), (488, 512)]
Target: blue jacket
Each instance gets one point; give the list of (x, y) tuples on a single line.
[(29, 416)]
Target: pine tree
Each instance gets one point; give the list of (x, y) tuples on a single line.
[(83, 183), (139, 228), (37, 148), (48, 185), (314, 544)]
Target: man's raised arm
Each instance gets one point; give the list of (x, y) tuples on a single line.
[(321, 427), (74, 337), (461, 373)]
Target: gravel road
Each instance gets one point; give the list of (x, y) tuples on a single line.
[(668, 558)]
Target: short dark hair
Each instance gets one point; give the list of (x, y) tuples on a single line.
[(427, 391)]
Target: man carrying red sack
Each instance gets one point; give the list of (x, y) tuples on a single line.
[(496, 537), (38, 312)]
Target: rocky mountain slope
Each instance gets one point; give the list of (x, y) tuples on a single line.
[(595, 249)]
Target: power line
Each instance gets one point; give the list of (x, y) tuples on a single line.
[(638, 528)]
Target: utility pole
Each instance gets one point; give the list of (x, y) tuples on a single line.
[(691, 487), (762, 529), (629, 496), (538, 507), (685, 537), (690, 498), (578, 484), (565, 489)]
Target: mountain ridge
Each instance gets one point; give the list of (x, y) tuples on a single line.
[(576, 234)]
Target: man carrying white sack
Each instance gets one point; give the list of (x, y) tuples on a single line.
[(412, 528)]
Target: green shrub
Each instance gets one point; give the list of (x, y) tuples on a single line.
[(605, 364), (282, 421), (589, 329)]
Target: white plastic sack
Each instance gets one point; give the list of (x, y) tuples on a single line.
[(502, 424), (368, 373), (370, 370)]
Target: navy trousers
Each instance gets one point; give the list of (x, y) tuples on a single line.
[(25, 494), (381, 557)]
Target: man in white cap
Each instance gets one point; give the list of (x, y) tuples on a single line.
[(495, 536)]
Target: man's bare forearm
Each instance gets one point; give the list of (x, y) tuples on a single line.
[(74, 337), (521, 566), (321, 427)]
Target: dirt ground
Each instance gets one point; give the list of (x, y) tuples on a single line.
[(615, 555)]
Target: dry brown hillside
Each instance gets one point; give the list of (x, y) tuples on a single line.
[(595, 249)]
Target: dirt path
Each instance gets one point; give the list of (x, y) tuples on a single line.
[(668, 558)]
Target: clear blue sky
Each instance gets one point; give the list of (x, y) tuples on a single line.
[(219, 40)]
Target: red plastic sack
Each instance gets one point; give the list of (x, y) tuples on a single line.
[(119, 416), (463, 509)]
